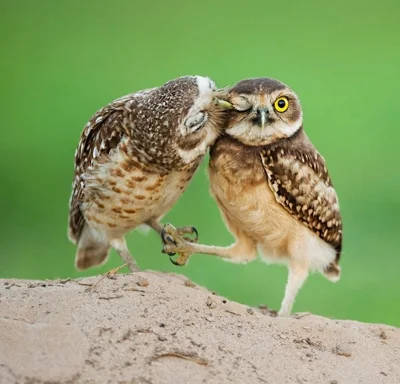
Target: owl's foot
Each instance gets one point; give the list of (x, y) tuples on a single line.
[(174, 243)]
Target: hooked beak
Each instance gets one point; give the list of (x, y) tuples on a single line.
[(223, 104), (262, 116)]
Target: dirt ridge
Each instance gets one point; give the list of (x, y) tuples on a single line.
[(151, 327)]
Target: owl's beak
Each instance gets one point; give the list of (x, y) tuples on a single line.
[(261, 117), (223, 104)]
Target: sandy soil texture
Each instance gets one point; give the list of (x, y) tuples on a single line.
[(157, 328)]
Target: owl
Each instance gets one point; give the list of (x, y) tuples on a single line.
[(272, 188), (135, 158)]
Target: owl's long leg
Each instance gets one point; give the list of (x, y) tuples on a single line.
[(155, 224), (242, 251), (120, 246), (298, 273)]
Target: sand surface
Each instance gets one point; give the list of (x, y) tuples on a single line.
[(159, 328)]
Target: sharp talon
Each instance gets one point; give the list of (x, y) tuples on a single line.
[(167, 238), (196, 234), (163, 233), (181, 261), (168, 253), (183, 231), (174, 262), (170, 239)]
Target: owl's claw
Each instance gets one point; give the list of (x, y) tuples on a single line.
[(168, 253), (190, 231), (175, 262), (167, 238), (175, 243)]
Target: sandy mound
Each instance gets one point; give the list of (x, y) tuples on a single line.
[(157, 328)]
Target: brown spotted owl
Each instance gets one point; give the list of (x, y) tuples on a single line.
[(272, 187), (135, 158)]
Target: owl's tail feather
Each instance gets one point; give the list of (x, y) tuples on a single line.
[(332, 272), (93, 249)]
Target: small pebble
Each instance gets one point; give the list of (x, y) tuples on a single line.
[(211, 303), (342, 350), (282, 336), (189, 283), (142, 283)]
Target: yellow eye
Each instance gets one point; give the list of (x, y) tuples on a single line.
[(281, 104)]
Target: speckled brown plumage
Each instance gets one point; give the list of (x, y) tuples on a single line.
[(135, 158), (102, 134), (299, 179), (272, 187)]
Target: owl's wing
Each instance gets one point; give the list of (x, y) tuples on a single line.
[(101, 135), (298, 177)]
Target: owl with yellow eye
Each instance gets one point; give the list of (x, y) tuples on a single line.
[(272, 188)]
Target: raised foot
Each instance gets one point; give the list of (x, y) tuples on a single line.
[(174, 243)]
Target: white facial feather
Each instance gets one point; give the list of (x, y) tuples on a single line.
[(206, 92), (253, 134)]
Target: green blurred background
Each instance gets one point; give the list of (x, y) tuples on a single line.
[(63, 60)]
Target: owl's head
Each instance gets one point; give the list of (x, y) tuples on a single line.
[(188, 116), (261, 111)]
